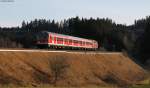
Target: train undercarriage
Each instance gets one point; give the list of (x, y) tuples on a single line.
[(59, 47)]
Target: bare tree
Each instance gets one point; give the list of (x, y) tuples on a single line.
[(58, 67)]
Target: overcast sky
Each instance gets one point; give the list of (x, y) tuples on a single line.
[(120, 11)]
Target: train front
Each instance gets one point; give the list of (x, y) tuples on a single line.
[(42, 39)]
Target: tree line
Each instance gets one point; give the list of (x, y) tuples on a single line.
[(133, 39)]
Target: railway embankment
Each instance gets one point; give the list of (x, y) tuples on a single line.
[(68, 69)]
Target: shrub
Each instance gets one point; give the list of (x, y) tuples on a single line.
[(58, 66)]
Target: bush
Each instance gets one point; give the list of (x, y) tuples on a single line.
[(58, 66)]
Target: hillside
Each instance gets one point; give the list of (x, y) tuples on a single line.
[(34, 68)]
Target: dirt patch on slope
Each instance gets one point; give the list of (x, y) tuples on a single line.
[(23, 68)]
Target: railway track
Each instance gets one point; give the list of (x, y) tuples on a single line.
[(58, 51)]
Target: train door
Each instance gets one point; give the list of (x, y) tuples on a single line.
[(50, 38), (55, 40)]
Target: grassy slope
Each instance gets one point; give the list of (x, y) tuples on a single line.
[(22, 68)]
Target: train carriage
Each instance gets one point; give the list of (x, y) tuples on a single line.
[(54, 40)]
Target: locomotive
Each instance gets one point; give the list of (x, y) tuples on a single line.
[(46, 39)]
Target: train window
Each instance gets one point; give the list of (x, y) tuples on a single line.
[(83, 43), (42, 35), (70, 41), (52, 38), (86, 43), (89, 44), (75, 41), (80, 42), (59, 40), (66, 41)]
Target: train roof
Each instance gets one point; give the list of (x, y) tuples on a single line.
[(69, 37)]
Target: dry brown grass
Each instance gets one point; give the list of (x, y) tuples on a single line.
[(20, 68)]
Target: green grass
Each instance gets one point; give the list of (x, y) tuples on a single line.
[(145, 83), (140, 86)]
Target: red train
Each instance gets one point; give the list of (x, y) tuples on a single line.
[(54, 40)]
